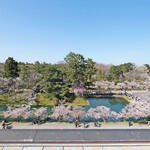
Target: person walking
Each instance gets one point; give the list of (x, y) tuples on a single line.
[(3, 124), (148, 123), (76, 123), (130, 124), (84, 126)]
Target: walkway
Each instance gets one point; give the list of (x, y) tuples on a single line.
[(79, 148), (145, 95), (72, 126)]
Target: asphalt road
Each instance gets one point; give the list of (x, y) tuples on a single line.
[(74, 136)]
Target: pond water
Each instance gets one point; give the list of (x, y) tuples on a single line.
[(3, 108), (115, 104)]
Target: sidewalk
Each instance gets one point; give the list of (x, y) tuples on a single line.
[(72, 126)]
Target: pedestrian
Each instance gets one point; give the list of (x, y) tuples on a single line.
[(148, 123), (38, 121), (130, 123), (84, 125), (34, 121), (3, 124), (76, 123)]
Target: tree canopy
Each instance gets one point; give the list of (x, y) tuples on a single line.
[(11, 69), (79, 69), (117, 72)]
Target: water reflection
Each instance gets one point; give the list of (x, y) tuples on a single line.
[(115, 104)]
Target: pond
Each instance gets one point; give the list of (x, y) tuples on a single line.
[(115, 104)]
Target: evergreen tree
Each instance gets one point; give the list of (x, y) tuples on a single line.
[(79, 69), (11, 69), (76, 67), (53, 82), (90, 71), (117, 72)]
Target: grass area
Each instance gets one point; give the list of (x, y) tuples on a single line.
[(43, 99), (4, 96), (123, 96), (6, 99), (81, 101)]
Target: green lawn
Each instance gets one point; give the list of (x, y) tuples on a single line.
[(4, 96), (81, 101), (43, 99), (6, 100)]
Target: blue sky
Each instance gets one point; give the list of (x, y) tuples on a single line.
[(108, 31)]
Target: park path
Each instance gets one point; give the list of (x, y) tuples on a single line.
[(72, 126), (145, 95)]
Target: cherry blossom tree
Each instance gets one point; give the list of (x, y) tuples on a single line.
[(128, 112), (32, 78), (77, 111), (104, 85), (40, 113), (141, 108), (102, 112), (78, 88), (91, 114), (112, 85), (137, 77), (18, 112), (61, 112), (3, 87), (105, 113), (134, 110), (101, 84), (121, 86), (13, 85)]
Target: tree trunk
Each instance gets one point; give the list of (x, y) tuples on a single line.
[(18, 119), (59, 118), (39, 121), (123, 119), (104, 120)]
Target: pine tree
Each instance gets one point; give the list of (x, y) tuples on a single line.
[(11, 69)]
